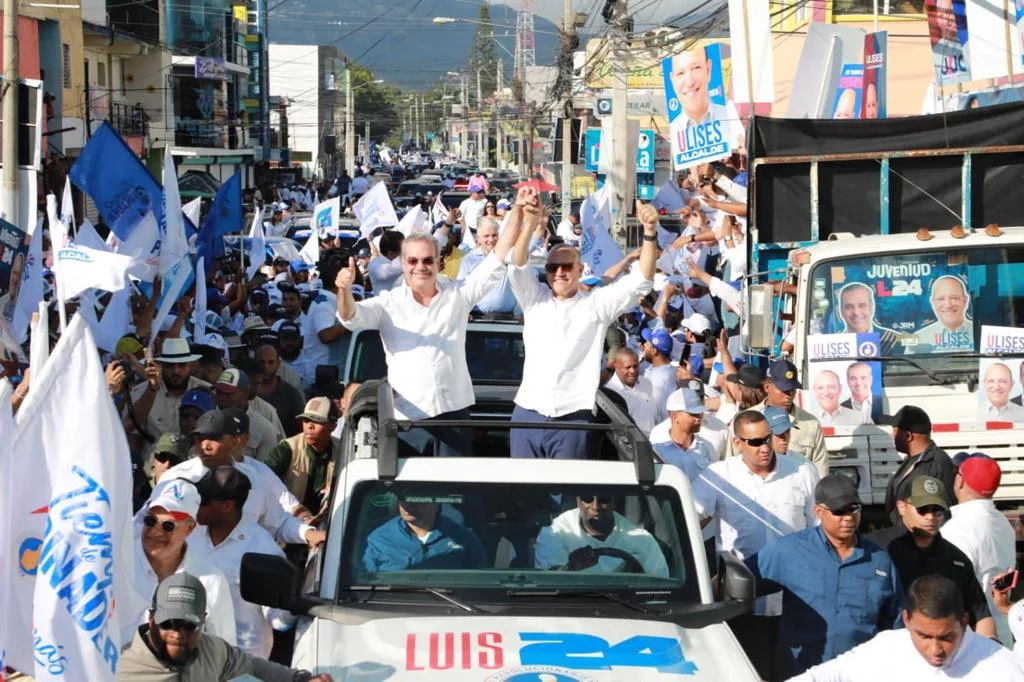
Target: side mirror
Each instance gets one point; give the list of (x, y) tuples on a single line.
[(268, 580), (760, 300), (737, 582)]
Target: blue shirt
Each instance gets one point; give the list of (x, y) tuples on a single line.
[(500, 298), (828, 606), (393, 547)]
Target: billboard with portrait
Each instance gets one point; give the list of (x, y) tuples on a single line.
[(873, 96), (13, 252), (1000, 384), (947, 28), (917, 304), (848, 94), (842, 390), (703, 124)]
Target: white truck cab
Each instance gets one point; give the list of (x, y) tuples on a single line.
[(509, 582)]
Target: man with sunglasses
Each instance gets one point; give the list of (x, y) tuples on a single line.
[(921, 550), (564, 331), (838, 589), (172, 645), (167, 521), (422, 325), (757, 498)]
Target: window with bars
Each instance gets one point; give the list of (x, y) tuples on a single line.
[(66, 64)]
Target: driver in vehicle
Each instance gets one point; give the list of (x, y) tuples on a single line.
[(594, 537), (421, 537)]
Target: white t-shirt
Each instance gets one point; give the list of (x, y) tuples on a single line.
[(565, 534), (471, 210)]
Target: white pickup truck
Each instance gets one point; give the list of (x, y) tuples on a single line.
[(491, 568)]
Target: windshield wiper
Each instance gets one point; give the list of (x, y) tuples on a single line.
[(610, 596), (948, 381), (443, 595)]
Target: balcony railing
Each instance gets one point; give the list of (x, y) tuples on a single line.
[(130, 120)]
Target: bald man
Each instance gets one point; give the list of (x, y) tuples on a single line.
[(998, 384), (870, 109), (846, 107), (827, 389), (952, 329)]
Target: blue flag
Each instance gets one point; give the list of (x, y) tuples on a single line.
[(225, 217), (121, 187)]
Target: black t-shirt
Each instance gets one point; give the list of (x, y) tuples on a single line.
[(940, 558), (933, 462)]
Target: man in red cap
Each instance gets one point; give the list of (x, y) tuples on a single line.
[(979, 530)]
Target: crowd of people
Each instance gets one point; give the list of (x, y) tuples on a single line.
[(234, 427)]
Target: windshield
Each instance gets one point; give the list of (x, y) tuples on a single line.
[(512, 536), (492, 356), (928, 307)]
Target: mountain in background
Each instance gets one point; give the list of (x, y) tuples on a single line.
[(399, 42)]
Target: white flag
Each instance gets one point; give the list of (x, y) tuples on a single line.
[(88, 236), (258, 248), (70, 533), (174, 245), (67, 206), (192, 211), (116, 320), (468, 239), (374, 210), (412, 221), (143, 246), (81, 268), (439, 209), (10, 556), (172, 287), (199, 316), (598, 249), (326, 215), (310, 253), (39, 351), (32, 290)]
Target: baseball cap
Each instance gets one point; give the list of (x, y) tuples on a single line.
[(174, 444), (197, 397), (180, 596), (224, 483), (285, 327), (778, 420), (659, 338), (908, 418), (747, 375), (177, 496), (218, 423), (960, 457), (696, 323), (685, 400), (259, 297), (129, 344), (981, 474), (926, 491), (233, 379), (320, 410), (589, 278), (299, 265), (363, 253), (475, 187), (836, 491), (504, 203), (214, 297), (782, 373)]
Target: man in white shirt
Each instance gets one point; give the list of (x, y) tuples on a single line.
[(756, 497), (564, 332), (936, 644), (634, 389), (829, 412), (385, 269), (422, 327), (998, 384), (473, 207), (167, 520), (224, 538), (981, 531), (860, 377), (952, 329), (660, 372), (594, 524), (500, 298), (567, 229)]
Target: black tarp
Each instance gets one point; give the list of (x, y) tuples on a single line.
[(849, 194)]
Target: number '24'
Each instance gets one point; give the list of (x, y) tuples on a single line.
[(588, 652)]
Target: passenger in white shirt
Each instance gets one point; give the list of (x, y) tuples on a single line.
[(936, 644), (567, 230), (473, 207), (167, 520), (422, 327), (385, 268), (594, 524), (224, 538), (981, 531), (634, 389), (564, 332)]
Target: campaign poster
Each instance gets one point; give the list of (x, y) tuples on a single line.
[(843, 390), (848, 94), (703, 124), (917, 304), (873, 95), (1000, 384), (1018, 13), (326, 215), (947, 29), (13, 252)]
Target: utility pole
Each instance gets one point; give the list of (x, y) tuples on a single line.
[(10, 203), (350, 124), (567, 111), (619, 193), (481, 153), (499, 125), (367, 143)]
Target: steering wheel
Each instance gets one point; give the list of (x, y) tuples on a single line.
[(586, 557)]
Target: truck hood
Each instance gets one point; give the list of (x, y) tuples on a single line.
[(493, 649)]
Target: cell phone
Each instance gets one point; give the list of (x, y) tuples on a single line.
[(1007, 582)]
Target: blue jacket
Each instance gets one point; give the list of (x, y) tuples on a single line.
[(393, 547), (828, 606)]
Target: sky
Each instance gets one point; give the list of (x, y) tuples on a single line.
[(646, 13)]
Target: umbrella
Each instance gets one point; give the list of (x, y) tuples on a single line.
[(538, 183)]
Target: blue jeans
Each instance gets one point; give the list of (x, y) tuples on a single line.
[(551, 443)]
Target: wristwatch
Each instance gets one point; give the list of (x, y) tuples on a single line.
[(650, 237)]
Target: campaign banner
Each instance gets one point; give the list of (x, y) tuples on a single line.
[(703, 124), (210, 69), (918, 304), (876, 70), (1000, 384), (645, 150), (1018, 13), (848, 94), (598, 250), (13, 252), (326, 215), (947, 29), (843, 390)]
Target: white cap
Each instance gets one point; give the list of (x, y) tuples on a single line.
[(685, 400), (176, 496), (696, 323), (273, 294)]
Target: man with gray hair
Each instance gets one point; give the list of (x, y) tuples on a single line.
[(499, 299)]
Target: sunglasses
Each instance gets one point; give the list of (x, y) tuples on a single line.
[(552, 268), (166, 526), (848, 510), (176, 624), (429, 260), (931, 509), (755, 442), (601, 499)]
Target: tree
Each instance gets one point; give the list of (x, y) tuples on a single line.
[(374, 103), (482, 56)]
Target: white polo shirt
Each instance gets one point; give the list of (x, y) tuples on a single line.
[(565, 534), (890, 655), (639, 401)]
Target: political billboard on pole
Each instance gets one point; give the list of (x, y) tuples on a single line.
[(947, 29), (873, 96)]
